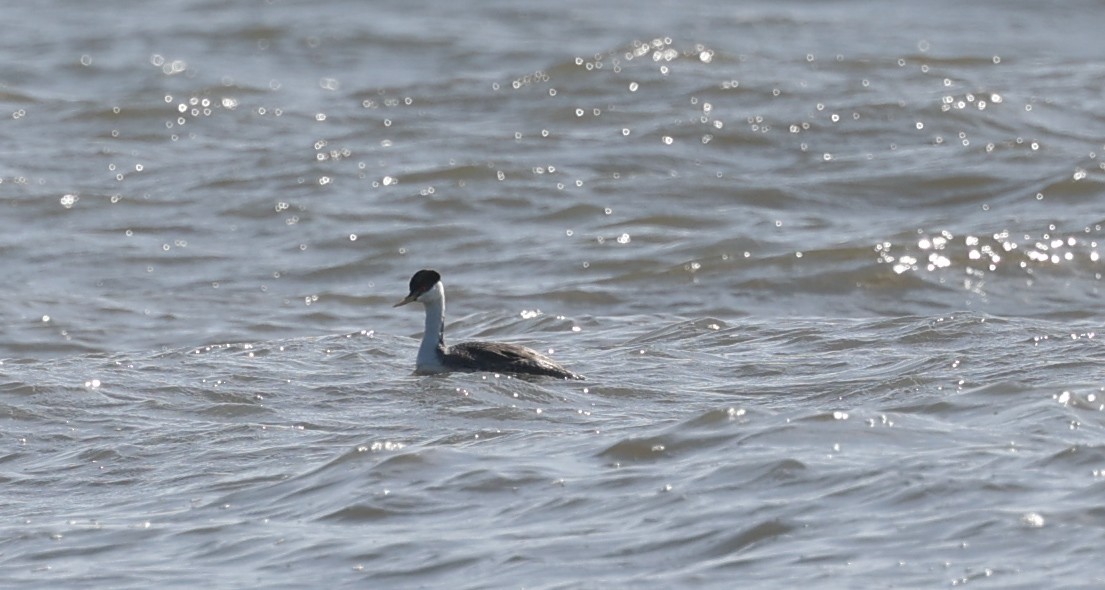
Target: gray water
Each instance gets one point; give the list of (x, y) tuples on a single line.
[(832, 271)]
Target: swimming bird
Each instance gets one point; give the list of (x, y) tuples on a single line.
[(498, 357)]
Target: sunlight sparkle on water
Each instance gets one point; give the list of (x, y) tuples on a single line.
[(995, 252)]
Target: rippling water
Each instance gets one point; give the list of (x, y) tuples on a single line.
[(833, 273)]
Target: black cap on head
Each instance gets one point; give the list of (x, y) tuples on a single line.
[(423, 281)]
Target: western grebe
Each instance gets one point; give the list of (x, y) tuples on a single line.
[(435, 357)]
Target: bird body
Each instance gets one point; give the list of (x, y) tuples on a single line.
[(434, 356)]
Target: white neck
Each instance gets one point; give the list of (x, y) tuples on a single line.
[(433, 336)]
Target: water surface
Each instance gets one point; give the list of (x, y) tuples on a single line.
[(833, 273)]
